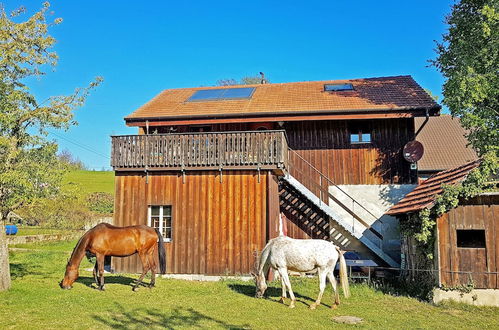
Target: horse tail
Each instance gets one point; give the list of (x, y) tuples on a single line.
[(343, 273), (161, 253), (263, 264)]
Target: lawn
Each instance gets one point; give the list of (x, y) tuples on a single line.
[(36, 230), (36, 301), (92, 181)]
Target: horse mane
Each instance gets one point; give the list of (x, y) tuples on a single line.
[(78, 247)]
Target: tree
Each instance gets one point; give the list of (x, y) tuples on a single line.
[(468, 57), (71, 161), (249, 80), (29, 167)]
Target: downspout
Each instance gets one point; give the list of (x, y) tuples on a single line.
[(424, 123)]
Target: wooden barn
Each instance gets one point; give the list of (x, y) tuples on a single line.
[(466, 248), (212, 168)]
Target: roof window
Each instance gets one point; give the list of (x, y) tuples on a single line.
[(222, 94), (338, 87)]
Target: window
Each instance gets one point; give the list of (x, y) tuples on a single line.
[(204, 128), (222, 94), (472, 238), (338, 87), (160, 217), (360, 133)]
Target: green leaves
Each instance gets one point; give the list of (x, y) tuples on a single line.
[(29, 167), (468, 57)]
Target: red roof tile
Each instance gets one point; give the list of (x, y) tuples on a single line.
[(425, 194), (445, 146), (385, 93)]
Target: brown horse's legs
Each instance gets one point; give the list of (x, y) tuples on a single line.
[(152, 267), (145, 269), (95, 274), (100, 263)]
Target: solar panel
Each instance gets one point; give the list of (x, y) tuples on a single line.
[(222, 94), (338, 87), (238, 93), (206, 94)]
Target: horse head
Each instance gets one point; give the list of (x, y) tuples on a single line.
[(69, 277), (261, 285)]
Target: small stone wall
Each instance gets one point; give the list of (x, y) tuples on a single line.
[(11, 240)]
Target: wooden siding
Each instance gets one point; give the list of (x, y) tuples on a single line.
[(457, 265), (327, 146), (217, 226)]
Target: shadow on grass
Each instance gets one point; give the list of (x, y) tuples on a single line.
[(249, 290), (20, 270), (115, 279), (119, 318)]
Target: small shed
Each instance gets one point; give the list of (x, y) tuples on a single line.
[(466, 247)]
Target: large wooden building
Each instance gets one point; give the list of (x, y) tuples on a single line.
[(213, 167)]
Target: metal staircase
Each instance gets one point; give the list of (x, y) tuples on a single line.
[(305, 192)]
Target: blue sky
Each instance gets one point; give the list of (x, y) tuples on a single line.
[(143, 47)]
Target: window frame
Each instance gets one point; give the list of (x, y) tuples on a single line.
[(359, 132), (162, 218)]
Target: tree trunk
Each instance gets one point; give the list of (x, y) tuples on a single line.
[(4, 259)]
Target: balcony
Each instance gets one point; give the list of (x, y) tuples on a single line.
[(200, 151)]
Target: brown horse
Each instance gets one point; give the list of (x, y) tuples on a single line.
[(107, 240)]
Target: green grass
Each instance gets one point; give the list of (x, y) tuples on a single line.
[(92, 181), (35, 230), (36, 301)]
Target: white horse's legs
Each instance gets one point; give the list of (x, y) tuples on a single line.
[(322, 285), (283, 286), (332, 279), (284, 275)]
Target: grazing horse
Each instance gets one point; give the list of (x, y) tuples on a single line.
[(107, 240), (302, 255)]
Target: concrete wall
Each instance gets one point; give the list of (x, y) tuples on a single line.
[(477, 297), (377, 199)]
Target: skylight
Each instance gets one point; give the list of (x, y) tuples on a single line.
[(222, 94), (338, 87)]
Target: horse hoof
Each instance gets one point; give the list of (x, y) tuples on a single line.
[(282, 300), (134, 289), (313, 306), (334, 306), (292, 305)]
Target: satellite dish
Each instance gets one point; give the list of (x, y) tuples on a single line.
[(413, 151)]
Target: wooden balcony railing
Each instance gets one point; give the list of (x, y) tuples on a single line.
[(189, 151)]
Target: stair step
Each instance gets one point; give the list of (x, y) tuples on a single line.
[(356, 228)]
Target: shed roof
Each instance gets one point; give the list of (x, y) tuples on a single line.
[(370, 94), (426, 193), (445, 145)]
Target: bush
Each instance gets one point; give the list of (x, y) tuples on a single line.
[(64, 212), (100, 202)]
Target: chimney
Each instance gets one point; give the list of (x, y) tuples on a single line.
[(263, 81)]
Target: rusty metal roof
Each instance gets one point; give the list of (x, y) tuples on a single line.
[(425, 194), (371, 94), (445, 144)]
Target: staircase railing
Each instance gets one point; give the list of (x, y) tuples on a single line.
[(319, 184)]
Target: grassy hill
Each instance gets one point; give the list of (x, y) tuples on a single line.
[(92, 181)]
